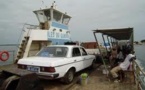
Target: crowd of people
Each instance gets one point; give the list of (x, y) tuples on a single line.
[(120, 59)]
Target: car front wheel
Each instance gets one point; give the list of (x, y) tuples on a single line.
[(93, 65)]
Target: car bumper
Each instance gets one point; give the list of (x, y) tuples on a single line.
[(48, 76)]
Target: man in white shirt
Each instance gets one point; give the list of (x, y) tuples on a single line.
[(122, 66)]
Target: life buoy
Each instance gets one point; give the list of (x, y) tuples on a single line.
[(1, 56)]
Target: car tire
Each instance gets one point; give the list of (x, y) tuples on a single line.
[(93, 65), (69, 76)]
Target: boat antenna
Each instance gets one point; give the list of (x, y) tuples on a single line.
[(54, 4), (42, 4)]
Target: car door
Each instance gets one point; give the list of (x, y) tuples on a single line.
[(86, 59), (77, 59)]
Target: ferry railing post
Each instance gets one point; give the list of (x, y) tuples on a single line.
[(109, 42), (100, 52), (138, 76), (13, 56), (104, 42)]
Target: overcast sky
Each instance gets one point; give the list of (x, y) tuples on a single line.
[(87, 15)]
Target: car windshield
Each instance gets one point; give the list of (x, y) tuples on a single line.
[(53, 52)]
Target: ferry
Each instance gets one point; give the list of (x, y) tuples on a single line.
[(53, 29)]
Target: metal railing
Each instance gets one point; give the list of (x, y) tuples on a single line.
[(26, 29), (139, 76)]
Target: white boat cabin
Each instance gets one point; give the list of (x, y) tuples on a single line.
[(52, 30)]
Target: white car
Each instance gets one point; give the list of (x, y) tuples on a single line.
[(58, 61)]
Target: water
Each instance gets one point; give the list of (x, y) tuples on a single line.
[(140, 54)]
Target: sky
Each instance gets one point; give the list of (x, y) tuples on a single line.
[(87, 15)]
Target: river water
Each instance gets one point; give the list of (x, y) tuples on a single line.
[(139, 52)]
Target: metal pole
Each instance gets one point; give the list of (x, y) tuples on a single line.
[(104, 42), (132, 40), (98, 44), (113, 41), (116, 42), (100, 52), (109, 42), (13, 56)]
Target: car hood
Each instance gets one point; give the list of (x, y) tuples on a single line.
[(42, 61)]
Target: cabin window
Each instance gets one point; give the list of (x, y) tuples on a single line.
[(65, 20), (60, 30), (47, 14), (57, 16), (41, 17), (54, 29)]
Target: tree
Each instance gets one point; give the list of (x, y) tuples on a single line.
[(136, 42), (143, 41)]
